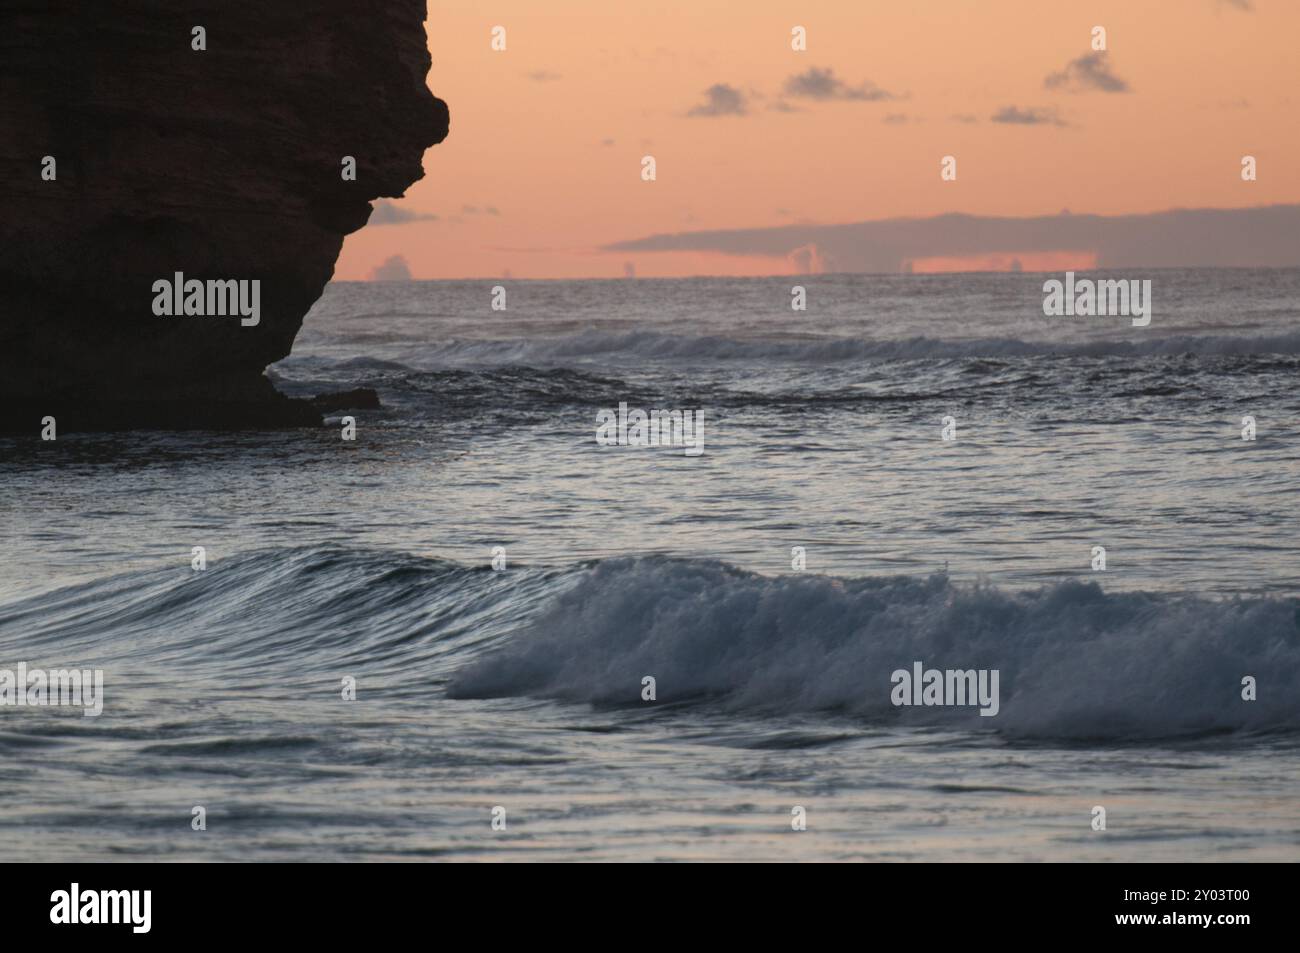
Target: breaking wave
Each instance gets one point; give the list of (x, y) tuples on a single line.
[(1075, 661), (610, 346)]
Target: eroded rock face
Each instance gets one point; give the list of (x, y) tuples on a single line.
[(224, 163)]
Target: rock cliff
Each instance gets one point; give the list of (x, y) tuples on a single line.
[(128, 154)]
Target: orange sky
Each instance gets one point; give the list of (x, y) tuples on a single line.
[(550, 132)]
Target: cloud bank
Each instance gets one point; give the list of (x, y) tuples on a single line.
[(1262, 236)]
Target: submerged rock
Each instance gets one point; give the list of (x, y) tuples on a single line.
[(129, 156), (359, 398)]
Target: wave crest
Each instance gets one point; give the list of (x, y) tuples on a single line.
[(1074, 661), (605, 346)]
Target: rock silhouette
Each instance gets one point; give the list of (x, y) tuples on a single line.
[(223, 163)]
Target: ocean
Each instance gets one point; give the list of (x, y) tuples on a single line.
[(915, 469)]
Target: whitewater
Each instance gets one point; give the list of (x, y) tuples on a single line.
[(521, 686)]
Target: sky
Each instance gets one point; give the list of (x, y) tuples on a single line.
[(541, 174)]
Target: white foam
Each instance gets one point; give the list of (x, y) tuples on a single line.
[(1074, 660)]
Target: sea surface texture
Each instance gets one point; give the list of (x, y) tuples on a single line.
[(520, 686)]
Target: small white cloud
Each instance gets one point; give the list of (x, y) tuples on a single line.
[(721, 100), (394, 269), (386, 213)]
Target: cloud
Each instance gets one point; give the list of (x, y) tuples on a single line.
[(823, 84), (543, 76), (394, 269), (386, 213), (897, 119), (1033, 116), (721, 100), (1088, 73), (1266, 236), (964, 117), (1246, 6), (781, 106), (808, 260)]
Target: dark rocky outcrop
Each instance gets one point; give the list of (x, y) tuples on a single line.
[(222, 164), (359, 398)]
